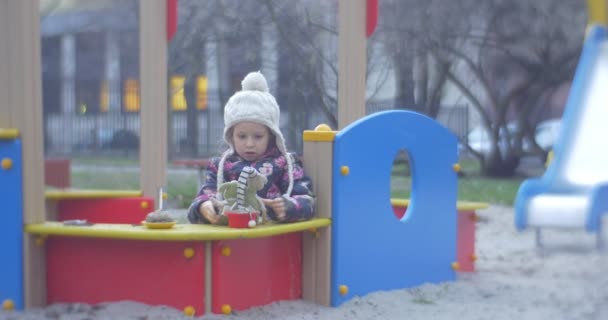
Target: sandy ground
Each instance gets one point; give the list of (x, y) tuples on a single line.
[(567, 280)]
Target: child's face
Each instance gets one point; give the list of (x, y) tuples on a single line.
[(250, 140)]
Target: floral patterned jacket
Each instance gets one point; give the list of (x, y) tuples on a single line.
[(300, 203)]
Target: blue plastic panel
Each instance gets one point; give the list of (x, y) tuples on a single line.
[(11, 237), (372, 250)]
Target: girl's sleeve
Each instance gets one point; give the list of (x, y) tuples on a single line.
[(300, 204), (206, 192)]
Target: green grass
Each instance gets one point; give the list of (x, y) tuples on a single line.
[(471, 187), (132, 160), (181, 188)]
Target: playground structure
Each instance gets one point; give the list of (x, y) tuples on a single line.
[(573, 192), (202, 268)]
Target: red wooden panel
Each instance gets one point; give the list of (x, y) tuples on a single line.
[(465, 250), (257, 271), (57, 172), (102, 270), (371, 17), (109, 210), (399, 211), (171, 18)]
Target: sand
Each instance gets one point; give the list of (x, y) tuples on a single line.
[(513, 280)]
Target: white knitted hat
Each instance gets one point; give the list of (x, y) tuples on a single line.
[(254, 103)]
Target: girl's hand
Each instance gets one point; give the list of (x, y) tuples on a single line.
[(278, 206), (207, 210)]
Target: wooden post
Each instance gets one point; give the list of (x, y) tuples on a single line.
[(21, 109), (316, 256), (153, 91), (352, 61)]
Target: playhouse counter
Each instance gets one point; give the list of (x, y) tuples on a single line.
[(460, 205), (180, 232), (200, 268)]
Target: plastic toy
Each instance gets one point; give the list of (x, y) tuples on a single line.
[(159, 219), (241, 203)]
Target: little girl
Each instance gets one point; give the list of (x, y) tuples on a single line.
[(251, 129)]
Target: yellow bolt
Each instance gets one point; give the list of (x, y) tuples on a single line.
[(7, 163), (188, 253), (456, 167), (322, 127), (473, 257), (165, 196), (226, 309), (343, 289), (189, 311), (344, 170), (39, 241), (456, 266), (144, 204), (226, 251), (8, 304)]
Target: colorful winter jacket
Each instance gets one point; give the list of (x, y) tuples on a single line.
[(299, 205)]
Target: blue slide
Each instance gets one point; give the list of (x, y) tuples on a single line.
[(573, 192)]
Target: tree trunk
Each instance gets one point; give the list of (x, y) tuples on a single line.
[(494, 165), (191, 141)]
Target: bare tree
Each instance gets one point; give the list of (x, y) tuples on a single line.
[(505, 57), (202, 23)]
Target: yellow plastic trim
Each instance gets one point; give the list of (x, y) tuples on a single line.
[(89, 194), (322, 132), (8, 134), (181, 232), (460, 205), (597, 12), (549, 158), (311, 135)]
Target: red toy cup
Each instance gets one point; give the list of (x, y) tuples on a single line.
[(239, 219)]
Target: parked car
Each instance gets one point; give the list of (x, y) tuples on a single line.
[(545, 135), (479, 139)]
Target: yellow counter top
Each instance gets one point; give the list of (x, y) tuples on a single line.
[(460, 205), (180, 232), (61, 194)]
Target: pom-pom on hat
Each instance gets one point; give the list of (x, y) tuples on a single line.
[(254, 103)]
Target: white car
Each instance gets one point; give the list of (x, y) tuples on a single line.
[(546, 133), (479, 139)]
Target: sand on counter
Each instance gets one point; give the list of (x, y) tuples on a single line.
[(569, 280)]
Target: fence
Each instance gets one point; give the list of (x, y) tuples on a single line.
[(117, 133)]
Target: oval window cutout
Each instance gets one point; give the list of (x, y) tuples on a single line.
[(401, 183)]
